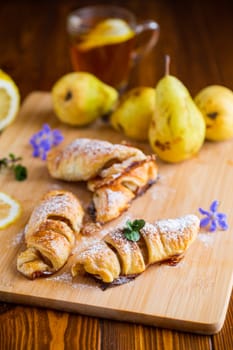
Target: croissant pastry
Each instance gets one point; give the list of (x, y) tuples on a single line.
[(116, 256), (111, 198), (50, 234), (84, 159), (116, 174)]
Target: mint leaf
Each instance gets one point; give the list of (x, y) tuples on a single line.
[(132, 230), (20, 172), (132, 236), (10, 162), (129, 224), (138, 224)]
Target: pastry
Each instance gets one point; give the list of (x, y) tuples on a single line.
[(112, 197), (50, 234), (116, 174), (116, 256), (84, 159)]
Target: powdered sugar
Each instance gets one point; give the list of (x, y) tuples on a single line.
[(74, 161), (116, 197), (88, 146), (83, 243), (67, 279), (18, 239), (119, 241), (56, 204), (177, 225), (206, 238), (173, 229), (64, 277), (161, 193), (98, 248)]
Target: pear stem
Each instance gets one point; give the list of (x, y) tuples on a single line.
[(167, 64)]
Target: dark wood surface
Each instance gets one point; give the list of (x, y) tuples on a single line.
[(198, 35)]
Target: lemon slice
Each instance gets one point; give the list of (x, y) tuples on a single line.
[(10, 210), (109, 31), (9, 100)]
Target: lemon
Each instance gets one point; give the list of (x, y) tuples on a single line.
[(10, 210), (109, 31), (9, 100)]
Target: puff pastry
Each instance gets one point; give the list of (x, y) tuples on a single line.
[(50, 234), (116, 174), (111, 198), (116, 256), (84, 159)]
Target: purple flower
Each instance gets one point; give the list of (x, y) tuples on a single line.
[(44, 140), (213, 219)]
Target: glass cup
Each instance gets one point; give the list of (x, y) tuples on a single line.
[(106, 41)]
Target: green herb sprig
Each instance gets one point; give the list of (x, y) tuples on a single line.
[(11, 162), (132, 230)]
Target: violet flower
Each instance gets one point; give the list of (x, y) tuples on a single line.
[(213, 220), (44, 140)]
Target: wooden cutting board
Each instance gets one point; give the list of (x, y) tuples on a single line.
[(191, 296)]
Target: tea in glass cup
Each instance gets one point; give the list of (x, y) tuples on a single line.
[(103, 41)]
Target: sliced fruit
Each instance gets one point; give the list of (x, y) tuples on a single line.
[(10, 210), (9, 100), (109, 31)]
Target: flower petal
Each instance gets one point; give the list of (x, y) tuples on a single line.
[(39, 134), (204, 212), (44, 155), (36, 152), (214, 206), (45, 144), (223, 224), (57, 137), (205, 221), (213, 226), (46, 128), (44, 140), (32, 142), (221, 216)]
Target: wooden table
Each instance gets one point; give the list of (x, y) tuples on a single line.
[(33, 50)]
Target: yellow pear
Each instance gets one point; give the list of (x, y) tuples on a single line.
[(79, 98), (216, 105), (134, 113), (177, 129)]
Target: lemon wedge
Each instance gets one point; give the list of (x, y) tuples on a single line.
[(10, 210), (9, 100), (109, 31)]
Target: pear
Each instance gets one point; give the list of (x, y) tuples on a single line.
[(216, 105), (79, 98), (133, 114), (177, 129)]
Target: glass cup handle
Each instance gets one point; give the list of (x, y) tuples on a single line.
[(143, 49)]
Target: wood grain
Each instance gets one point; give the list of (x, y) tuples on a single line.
[(224, 340), (197, 295), (49, 329), (140, 337)]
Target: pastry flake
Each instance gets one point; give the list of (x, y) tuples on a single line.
[(84, 159), (158, 242), (116, 174), (50, 234)]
